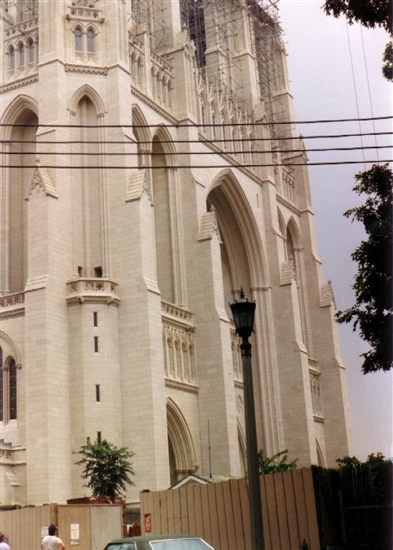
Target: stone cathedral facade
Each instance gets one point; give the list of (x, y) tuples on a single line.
[(150, 169)]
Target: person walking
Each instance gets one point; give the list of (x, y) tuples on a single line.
[(51, 541), (3, 544)]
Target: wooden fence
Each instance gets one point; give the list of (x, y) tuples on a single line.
[(219, 512), (24, 527)]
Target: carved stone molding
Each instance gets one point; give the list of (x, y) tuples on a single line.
[(41, 180), (94, 290)]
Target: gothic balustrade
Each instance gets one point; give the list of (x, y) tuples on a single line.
[(178, 339), (92, 290)]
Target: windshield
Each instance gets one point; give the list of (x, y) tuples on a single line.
[(122, 546), (180, 544)]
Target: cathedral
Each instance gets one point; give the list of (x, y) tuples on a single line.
[(150, 170)]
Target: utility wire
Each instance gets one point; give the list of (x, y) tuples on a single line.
[(193, 125), (199, 153), (188, 141), (196, 166)]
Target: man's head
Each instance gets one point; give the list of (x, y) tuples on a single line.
[(52, 529), (1, 537)]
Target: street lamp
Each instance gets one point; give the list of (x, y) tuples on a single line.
[(243, 315)]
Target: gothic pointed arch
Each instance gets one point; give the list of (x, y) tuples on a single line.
[(93, 96), (14, 110), (167, 218), (182, 455), (242, 449), (238, 228), (87, 180), (293, 229), (320, 457), (10, 348), (19, 130), (281, 223), (142, 135)]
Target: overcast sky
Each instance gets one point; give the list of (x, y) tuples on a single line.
[(335, 72)]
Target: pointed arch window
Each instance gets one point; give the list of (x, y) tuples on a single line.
[(13, 391), (11, 58), (21, 50), (90, 41), (78, 39), (31, 51), (8, 388), (1, 386)]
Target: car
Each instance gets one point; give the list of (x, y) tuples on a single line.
[(159, 542)]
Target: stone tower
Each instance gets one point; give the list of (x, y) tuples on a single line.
[(150, 169)]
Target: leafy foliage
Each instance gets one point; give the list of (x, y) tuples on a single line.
[(387, 67), (370, 14), (275, 463), (106, 467), (372, 312)]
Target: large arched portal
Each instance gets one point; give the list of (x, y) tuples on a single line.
[(182, 458)]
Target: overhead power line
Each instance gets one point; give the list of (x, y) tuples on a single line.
[(196, 166), (192, 125), (199, 153), (188, 141)]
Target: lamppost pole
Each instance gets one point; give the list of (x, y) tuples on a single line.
[(243, 314)]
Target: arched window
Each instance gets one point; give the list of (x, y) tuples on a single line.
[(31, 51), (12, 58), (13, 391), (90, 41), (1, 386), (21, 50), (78, 39), (8, 389)]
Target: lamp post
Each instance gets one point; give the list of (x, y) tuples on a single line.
[(243, 315)]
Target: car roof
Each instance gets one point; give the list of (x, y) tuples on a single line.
[(149, 538)]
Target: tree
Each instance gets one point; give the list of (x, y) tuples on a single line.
[(370, 14), (106, 467), (275, 463), (372, 312)]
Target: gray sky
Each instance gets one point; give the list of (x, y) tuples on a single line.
[(335, 72)]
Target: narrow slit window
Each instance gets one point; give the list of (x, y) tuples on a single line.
[(90, 41), (78, 39), (1, 386), (98, 395), (80, 271), (95, 318), (12, 59), (98, 437), (31, 51), (13, 391), (21, 55), (96, 344)]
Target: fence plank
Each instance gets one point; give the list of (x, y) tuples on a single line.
[(230, 518), (192, 524), (184, 513), (237, 513), (156, 513), (300, 505), (265, 516), (177, 512), (198, 503), (214, 525), (290, 504), (272, 513), (311, 511), (170, 512), (206, 513), (282, 514), (221, 517)]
